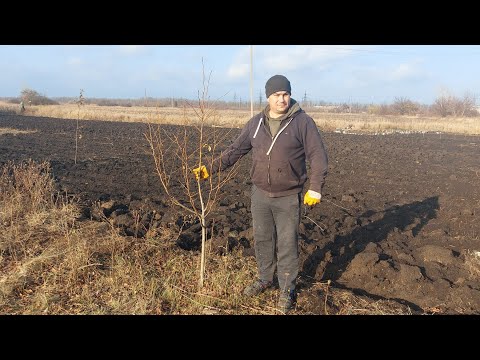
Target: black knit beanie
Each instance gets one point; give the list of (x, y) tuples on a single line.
[(277, 83)]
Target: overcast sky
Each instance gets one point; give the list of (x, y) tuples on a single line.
[(343, 73)]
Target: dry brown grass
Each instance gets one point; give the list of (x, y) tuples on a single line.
[(164, 115), (51, 263), (350, 304), (472, 263), (367, 123), (357, 123), (325, 299), (8, 108)]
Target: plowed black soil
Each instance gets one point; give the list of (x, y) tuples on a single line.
[(399, 218)]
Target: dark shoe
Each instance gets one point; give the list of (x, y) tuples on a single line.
[(257, 288), (286, 301)]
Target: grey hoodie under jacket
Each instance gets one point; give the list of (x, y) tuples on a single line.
[(278, 163)]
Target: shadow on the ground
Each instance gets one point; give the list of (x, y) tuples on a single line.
[(345, 247)]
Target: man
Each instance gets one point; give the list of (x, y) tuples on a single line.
[(283, 137)]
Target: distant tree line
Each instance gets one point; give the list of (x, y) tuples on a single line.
[(446, 105), (443, 106)]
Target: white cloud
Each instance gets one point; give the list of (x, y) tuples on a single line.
[(363, 76), (74, 61), (132, 49), (282, 58), (405, 72), (238, 70), (290, 58), (240, 66)]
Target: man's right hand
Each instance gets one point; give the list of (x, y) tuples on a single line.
[(201, 172)]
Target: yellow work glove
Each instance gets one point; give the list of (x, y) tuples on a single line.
[(201, 172), (312, 198)]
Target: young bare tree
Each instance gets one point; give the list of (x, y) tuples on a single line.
[(80, 102), (177, 150)]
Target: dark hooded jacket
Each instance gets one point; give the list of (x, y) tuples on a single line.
[(279, 162)]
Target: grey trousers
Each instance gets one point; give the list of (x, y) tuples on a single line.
[(275, 232)]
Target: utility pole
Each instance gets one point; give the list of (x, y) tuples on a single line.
[(251, 80)]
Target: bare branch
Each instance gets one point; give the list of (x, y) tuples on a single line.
[(176, 155)]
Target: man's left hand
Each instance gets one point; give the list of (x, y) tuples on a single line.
[(312, 198)]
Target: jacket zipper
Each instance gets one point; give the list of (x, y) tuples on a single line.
[(269, 157), (273, 139), (268, 172)]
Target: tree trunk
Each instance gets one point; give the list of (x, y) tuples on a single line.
[(202, 254)]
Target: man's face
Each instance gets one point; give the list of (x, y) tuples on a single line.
[(279, 102)]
